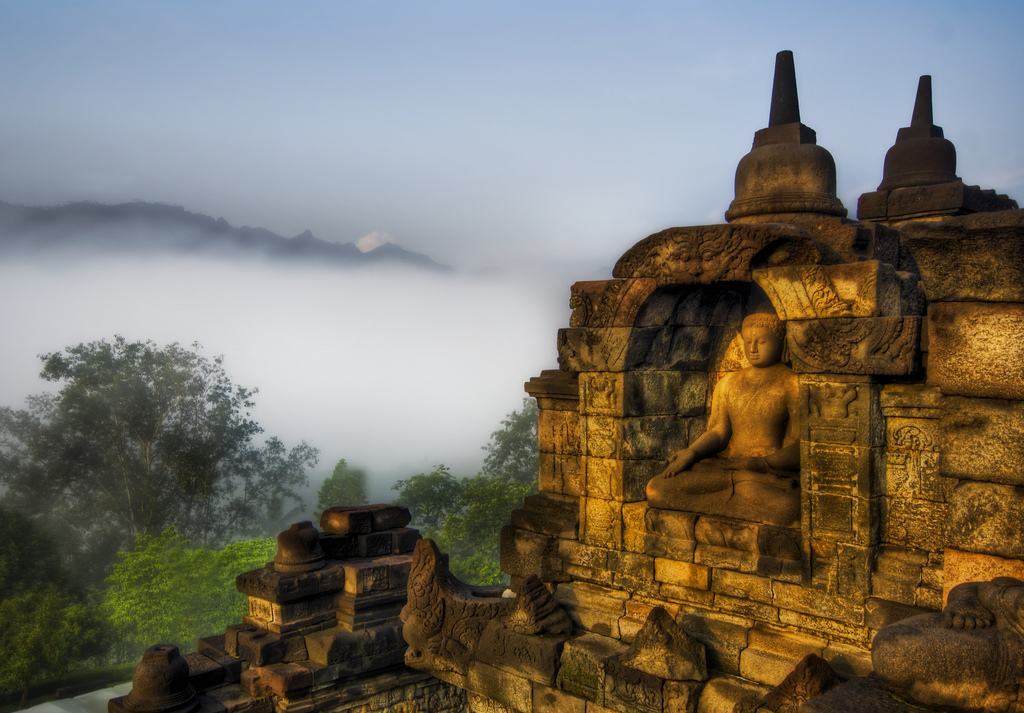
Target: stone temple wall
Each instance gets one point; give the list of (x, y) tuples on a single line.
[(911, 391)]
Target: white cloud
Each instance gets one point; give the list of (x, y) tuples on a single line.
[(373, 241)]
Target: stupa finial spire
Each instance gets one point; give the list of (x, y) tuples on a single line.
[(785, 104), (923, 103)]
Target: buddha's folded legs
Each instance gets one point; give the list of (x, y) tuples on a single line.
[(741, 494)]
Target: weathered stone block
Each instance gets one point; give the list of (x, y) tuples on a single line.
[(707, 254), (375, 544), (670, 548), (671, 523), (281, 679), (634, 527), (482, 704), (912, 460), (683, 574), (638, 437), (261, 648), (856, 289), (738, 584), (290, 616), (771, 655), (532, 657), (861, 345), (601, 523), (676, 593), (552, 515), (986, 518), (572, 551), (524, 553), (560, 474), (724, 640), (555, 390), (818, 603), (609, 303), (627, 689), (681, 696), (643, 393), (982, 439), (971, 258), (582, 669), (620, 479), (725, 694), (914, 523), (977, 349), (215, 649), (272, 586), (552, 700), (341, 520), (558, 432), (366, 576), (404, 540), (841, 410), (500, 686), (963, 567), (635, 565), (615, 349)]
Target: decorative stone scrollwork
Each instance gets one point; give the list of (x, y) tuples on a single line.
[(445, 618)]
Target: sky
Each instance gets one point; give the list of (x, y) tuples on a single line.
[(527, 144)]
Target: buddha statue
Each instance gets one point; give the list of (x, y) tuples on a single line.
[(746, 465), (968, 657)]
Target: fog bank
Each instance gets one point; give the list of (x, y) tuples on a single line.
[(395, 370)]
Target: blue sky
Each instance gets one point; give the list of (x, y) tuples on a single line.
[(481, 133)]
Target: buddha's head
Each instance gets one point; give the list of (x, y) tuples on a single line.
[(763, 338)]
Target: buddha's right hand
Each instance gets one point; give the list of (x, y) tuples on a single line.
[(679, 462)]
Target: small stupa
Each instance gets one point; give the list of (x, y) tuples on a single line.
[(786, 174), (919, 180)]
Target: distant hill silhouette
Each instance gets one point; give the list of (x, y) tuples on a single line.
[(139, 228)]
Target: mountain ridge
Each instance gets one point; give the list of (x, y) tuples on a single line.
[(142, 227)]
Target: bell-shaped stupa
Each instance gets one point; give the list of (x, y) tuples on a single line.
[(919, 180), (921, 156), (786, 174)]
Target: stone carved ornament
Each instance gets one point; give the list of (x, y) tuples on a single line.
[(445, 617), (707, 254)]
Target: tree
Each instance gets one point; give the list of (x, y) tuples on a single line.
[(512, 453), (431, 498), (139, 438), (29, 558), (345, 486), (471, 534), (465, 516), (165, 591), (43, 634)]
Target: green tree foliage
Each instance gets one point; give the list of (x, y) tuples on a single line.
[(431, 498), (138, 438), (465, 516), (345, 486), (29, 559), (512, 453), (471, 534), (165, 591), (43, 634)]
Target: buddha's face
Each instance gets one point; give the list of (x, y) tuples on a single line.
[(761, 346)]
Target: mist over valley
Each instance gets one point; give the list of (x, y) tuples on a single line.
[(395, 364)]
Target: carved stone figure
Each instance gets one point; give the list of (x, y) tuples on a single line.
[(969, 656), (746, 465), (445, 618)]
